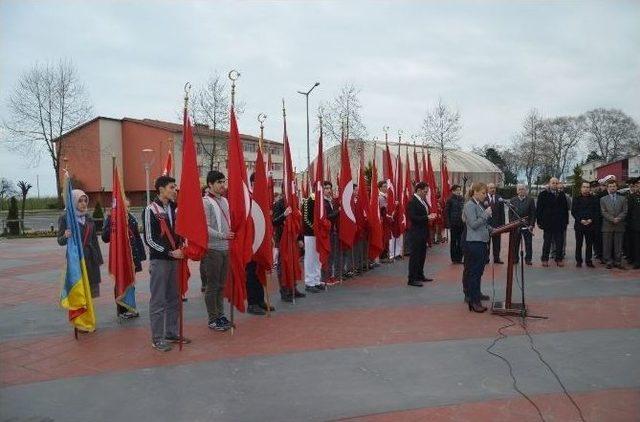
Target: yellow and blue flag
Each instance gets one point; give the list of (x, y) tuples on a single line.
[(76, 294)]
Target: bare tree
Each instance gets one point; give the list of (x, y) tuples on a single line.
[(527, 148), (24, 191), (47, 102), (210, 107), (441, 127), (561, 137), (611, 132), (6, 190), (343, 113)]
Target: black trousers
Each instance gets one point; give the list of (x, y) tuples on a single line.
[(475, 255), (418, 254), (597, 242), (528, 245), (255, 291), (636, 247), (584, 236), (455, 247), (628, 246), (495, 242), (557, 236)]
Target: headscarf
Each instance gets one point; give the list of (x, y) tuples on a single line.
[(76, 194)]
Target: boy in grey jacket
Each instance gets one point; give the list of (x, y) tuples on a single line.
[(216, 261)]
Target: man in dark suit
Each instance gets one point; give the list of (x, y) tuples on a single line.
[(494, 202), (585, 209), (418, 214), (453, 222), (633, 221), (552, 214)]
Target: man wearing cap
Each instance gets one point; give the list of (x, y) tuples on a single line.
[(614, 211)]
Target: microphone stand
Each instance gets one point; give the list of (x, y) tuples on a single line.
[(523, 309)]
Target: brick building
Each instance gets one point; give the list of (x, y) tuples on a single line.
[(87, 152)]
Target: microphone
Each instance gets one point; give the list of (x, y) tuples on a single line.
[(511, 207)]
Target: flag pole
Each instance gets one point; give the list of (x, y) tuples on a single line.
[(233, 75), (286, 189), (111, 216), (183, 261), (261, 118)]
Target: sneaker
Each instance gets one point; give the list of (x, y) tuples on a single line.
[(297, 293), (218, 325), (161, 346), (320, 286), (225, 321), (177, 339)]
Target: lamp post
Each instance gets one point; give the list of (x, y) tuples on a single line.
[(306, 94), (147, 161)]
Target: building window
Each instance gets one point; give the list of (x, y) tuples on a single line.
[(276, 166), (249, 146)]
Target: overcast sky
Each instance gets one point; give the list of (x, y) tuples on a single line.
[(493, 61)]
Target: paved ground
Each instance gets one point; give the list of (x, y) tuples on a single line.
[(371, 349)]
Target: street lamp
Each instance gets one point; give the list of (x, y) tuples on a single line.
[(306, 94), (147, 161)]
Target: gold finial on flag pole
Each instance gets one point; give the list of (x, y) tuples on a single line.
[(399, 135), (385, 129), (261, 118), (233, 75)]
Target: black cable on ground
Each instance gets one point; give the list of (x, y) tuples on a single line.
[(544, 362), (502, 336)]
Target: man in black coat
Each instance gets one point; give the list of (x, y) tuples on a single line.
[(633, 221), (585, 209), (494, 201), (418, 214), (552, 214), (453, 221)]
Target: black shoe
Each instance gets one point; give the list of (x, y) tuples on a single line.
[(320, 287), (312, 289), (590, 264), (255, 310), (286, 298), (426, 279), (177, 339), (184, 299), (476, 307), (528, 262), (415, 283), (609, 266), (484, 297), (636, 267), (202, 289), (579, 264), (297, 293), (498, 262), (266, 307)]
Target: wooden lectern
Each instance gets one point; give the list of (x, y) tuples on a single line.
[(508, 307)]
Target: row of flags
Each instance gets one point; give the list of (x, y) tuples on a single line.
[(250, 210)]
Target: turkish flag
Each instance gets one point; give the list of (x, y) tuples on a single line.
[(375, 224), (289, 253), (240, 247), (191, 223), (347, 219), (406, 192), (399, 223), (446, 187), (387, 175), (168, 165), (416, 167), (321, 223), (261, 215), (120, 256), (362, 203)]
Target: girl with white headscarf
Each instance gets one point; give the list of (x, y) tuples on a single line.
[(88, 236)]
